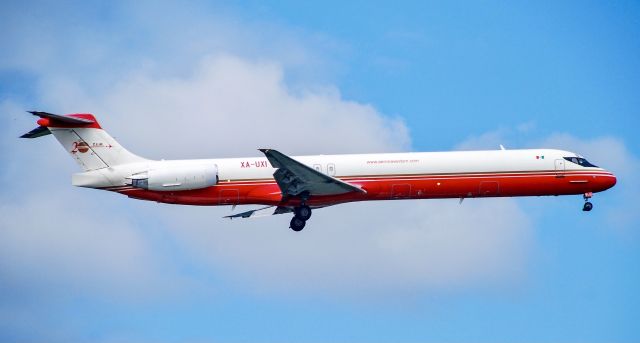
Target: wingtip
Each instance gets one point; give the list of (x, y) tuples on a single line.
[(37, 132)]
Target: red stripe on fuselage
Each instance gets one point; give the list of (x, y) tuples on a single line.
[(386, 187)]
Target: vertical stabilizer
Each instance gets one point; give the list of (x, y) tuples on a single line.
[(84, 139)]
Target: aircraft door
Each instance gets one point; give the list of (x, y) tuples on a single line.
[(400, 191), (229, 197), (560, 167), (489, 189)]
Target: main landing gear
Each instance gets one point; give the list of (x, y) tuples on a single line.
[(301, 215), (587, 205)]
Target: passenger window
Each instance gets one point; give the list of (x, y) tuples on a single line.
[(331, 169)]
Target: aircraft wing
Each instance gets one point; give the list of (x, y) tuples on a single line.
[(295, 178)]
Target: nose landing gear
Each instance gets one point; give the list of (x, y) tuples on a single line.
[(587, 205), (301, 215)]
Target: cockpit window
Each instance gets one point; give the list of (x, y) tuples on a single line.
[(580, 161)]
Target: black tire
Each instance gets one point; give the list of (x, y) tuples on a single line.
[(587, 206), (297, 224), (303, 212)]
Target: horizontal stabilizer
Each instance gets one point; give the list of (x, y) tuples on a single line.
[(37, 132), (63, 119)]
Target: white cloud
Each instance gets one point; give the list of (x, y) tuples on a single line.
[(486, 141), (365, 249), (176, 82), (98, 45), (68, 245), (230, 106), (211, 97), (510, 138)]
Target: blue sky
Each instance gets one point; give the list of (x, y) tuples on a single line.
[(199, 79)]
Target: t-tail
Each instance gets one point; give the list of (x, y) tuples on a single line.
[(81, 135)]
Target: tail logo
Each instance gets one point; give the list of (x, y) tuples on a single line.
[(80, 147)]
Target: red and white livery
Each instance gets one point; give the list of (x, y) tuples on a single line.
[(298, 184)]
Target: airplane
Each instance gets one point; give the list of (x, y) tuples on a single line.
[(300, 184)]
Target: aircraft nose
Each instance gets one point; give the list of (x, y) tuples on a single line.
[(609, 180)]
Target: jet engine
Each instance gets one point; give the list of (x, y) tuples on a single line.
[(176, 178)]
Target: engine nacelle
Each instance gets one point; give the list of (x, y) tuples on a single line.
[(176, 178)]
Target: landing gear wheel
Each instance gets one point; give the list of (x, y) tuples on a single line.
[(587, 205), (303, 212), (297, 224)]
